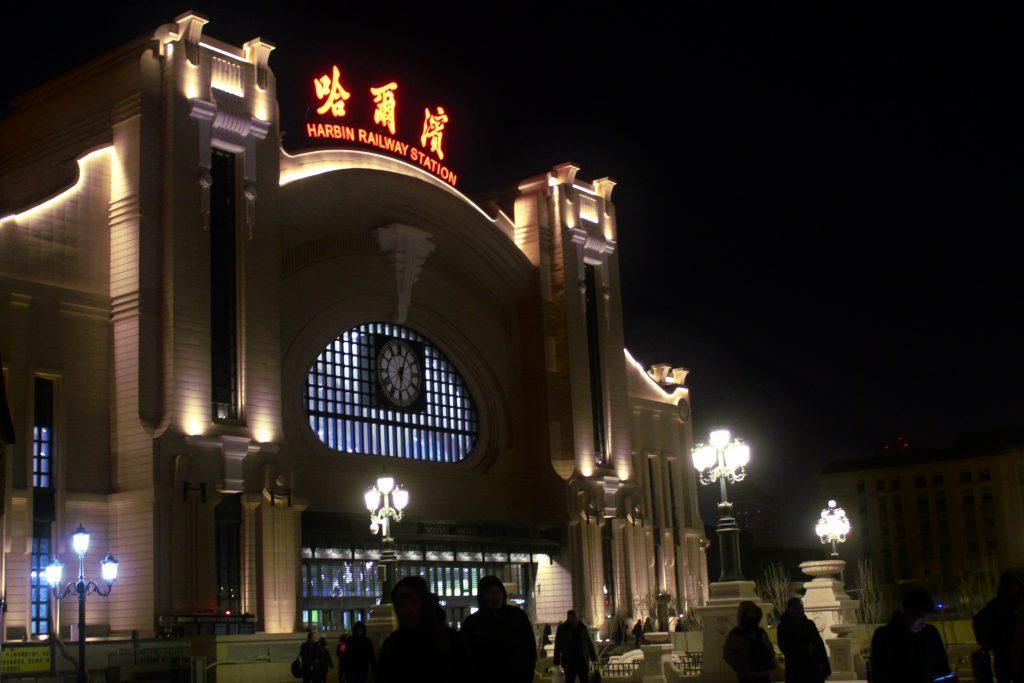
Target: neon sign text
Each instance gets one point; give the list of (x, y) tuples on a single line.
[(378, 110), (330, 91), (384, 98), (334, 131), (433, 130)]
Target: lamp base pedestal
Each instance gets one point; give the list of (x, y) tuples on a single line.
[(719, 616), (380, 624)]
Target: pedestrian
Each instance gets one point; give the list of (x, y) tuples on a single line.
[(499, 637), (802, 646), (359, 659), (340, 653), (908, 649), (323, 662), (574, 649), (422, 648), (545, 638), (307, 657), (679, 624), (648, 625), (1000, 622), (747, 648), (638, 633)]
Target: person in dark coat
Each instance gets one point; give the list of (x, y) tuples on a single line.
[(339, 652), (499, 637), (908, 649), (355, 666), (574, 650), (638, 633), (997, 623), (747, 648), (422, 648), (800, 642), (323, 662), (307, 657), (545, 638)]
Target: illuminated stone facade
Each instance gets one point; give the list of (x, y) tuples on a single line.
[(169, 277)]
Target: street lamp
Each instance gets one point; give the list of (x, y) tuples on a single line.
[(724, 459), (832, 526), (386, 501), (81, 587)]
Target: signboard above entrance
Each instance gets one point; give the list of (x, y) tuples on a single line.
[(379, 117)]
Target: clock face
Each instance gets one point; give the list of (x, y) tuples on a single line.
[(399, 373)]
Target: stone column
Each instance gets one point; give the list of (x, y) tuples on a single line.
[(280, 540), (825, 601), (719, 617), (657, 658), (835, 614)]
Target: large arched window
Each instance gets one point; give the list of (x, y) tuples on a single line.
[(382, 389)]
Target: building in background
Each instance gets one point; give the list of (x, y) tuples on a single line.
[(934, 515), (212, 348)]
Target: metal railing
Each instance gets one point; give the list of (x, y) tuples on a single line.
[(620, 669), (689, 663)]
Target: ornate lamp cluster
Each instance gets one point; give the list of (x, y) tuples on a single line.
[(724, 459), (721, 458), (81, 587), (385, 501), (833, 526)]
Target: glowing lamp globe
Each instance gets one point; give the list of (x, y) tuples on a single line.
[(372, 499), (385, 483), (108, 568), (54, 571), (80, 541), (401, 498), (720, 438), (737, 455), (704, 457)]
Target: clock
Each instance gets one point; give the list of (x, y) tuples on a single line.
[(684, 410), (400, 373)]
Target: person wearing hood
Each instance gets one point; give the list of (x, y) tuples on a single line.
[(801, 644), (747, 648), (499, 637), (999, 627), (358, 659), (422, 648), (908, 649)]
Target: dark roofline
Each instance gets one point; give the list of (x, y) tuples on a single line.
[(980, 445)]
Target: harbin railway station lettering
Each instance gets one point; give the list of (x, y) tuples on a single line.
[(339, 113)]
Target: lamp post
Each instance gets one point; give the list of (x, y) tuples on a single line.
[(724, 459), (833, 526), (81, 587), (386, 501)]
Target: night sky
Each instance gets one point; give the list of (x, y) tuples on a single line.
[(814, 204)]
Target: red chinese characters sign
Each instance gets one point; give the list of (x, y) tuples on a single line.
[(339, 111)]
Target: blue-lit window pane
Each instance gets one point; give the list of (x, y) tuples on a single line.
[(40, 590), (440, 426), (42, 434)]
